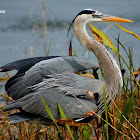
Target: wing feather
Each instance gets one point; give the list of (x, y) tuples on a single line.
[(72, 107), (19, 88)]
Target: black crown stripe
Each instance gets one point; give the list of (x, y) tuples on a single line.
[(82, 12)]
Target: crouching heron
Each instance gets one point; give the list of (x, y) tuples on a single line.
[(55, 78)]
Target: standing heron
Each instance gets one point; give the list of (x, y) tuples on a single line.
[(55, 78)]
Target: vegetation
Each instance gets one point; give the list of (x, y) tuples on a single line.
[(120, 121)]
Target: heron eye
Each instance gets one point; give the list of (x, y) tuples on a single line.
[(93, 16)]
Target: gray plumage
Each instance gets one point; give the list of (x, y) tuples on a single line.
[(56, 81), (62, 92), (19, 86)]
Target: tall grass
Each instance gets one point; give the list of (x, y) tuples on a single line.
[(121, 120)]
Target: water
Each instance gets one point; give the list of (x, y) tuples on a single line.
[(19, 37)]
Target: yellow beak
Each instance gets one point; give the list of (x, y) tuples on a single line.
[(108, 18)]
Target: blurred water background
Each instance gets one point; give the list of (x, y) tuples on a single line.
[(22, 34), (22, 37)]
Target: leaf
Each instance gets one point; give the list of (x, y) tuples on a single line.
[(63, 116), (3, 79), (88, 75), (130, 32), (108, 43), (70, 48), (104, 37), (5, 95), (75, 53), (70, 122), (97, 37), (47, 108), (126, 110), (49, 112), (85, 131), (137, 72)]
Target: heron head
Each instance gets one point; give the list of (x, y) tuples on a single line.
[(90, 15)]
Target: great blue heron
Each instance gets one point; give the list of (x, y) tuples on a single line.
[(56, 81)]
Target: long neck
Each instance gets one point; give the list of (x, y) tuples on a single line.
[(111, 70)]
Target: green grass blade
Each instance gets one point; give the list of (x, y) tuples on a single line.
[(63, 116), (105, 104), (75, 54), (129, 69), (49, 112), (85, 131), (118, 48), (126, 110), (104, 37), (108, 43), (130, 32)]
